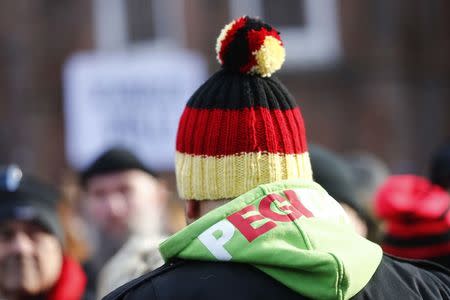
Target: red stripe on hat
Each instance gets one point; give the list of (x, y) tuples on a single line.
[(216, 132), (424, 252), (419, 229)]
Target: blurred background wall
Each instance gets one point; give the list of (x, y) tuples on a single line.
[(378, 81)]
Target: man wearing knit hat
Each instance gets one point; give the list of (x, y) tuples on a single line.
[(260, 227), (124, 201), (32, 260)]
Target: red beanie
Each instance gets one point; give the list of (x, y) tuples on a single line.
[(417, 217)]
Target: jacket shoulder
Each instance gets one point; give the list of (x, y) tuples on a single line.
[(193, 280), (144, 280), (398, 278)]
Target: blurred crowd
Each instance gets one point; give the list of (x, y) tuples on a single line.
[(103, 227), (106, 231)]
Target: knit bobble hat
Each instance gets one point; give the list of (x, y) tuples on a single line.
[(241, 128), (417, 218), (250, 46)]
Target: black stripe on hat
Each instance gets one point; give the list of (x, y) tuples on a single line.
[(428, 240), (231, 90)]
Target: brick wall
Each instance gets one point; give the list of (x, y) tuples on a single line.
[(390, 93), (35, 39)]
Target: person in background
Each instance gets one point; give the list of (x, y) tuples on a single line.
[(33, 261), (417, 217), (369, 173), (335, 176), (259, 226), (75, 228), (125, 201), (440, 166)]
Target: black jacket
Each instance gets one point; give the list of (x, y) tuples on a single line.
[(194, 280)]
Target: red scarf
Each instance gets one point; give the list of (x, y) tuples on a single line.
[(71, 283)]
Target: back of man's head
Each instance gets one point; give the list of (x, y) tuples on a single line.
[(241, 128)]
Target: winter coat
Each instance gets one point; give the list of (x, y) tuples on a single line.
[(289, 239), (195, 280)]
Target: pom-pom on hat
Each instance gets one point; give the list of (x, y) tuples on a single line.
[(250, 46), (241, 128)]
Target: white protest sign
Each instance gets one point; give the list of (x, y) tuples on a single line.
[(129, 99)]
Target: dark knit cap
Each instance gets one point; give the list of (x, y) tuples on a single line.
[(335, 176), (112, 161), (23, 197)]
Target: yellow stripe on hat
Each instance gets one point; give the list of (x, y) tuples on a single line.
[(224, 177)]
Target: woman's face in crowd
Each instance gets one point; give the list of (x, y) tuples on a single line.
[(30, 259)]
